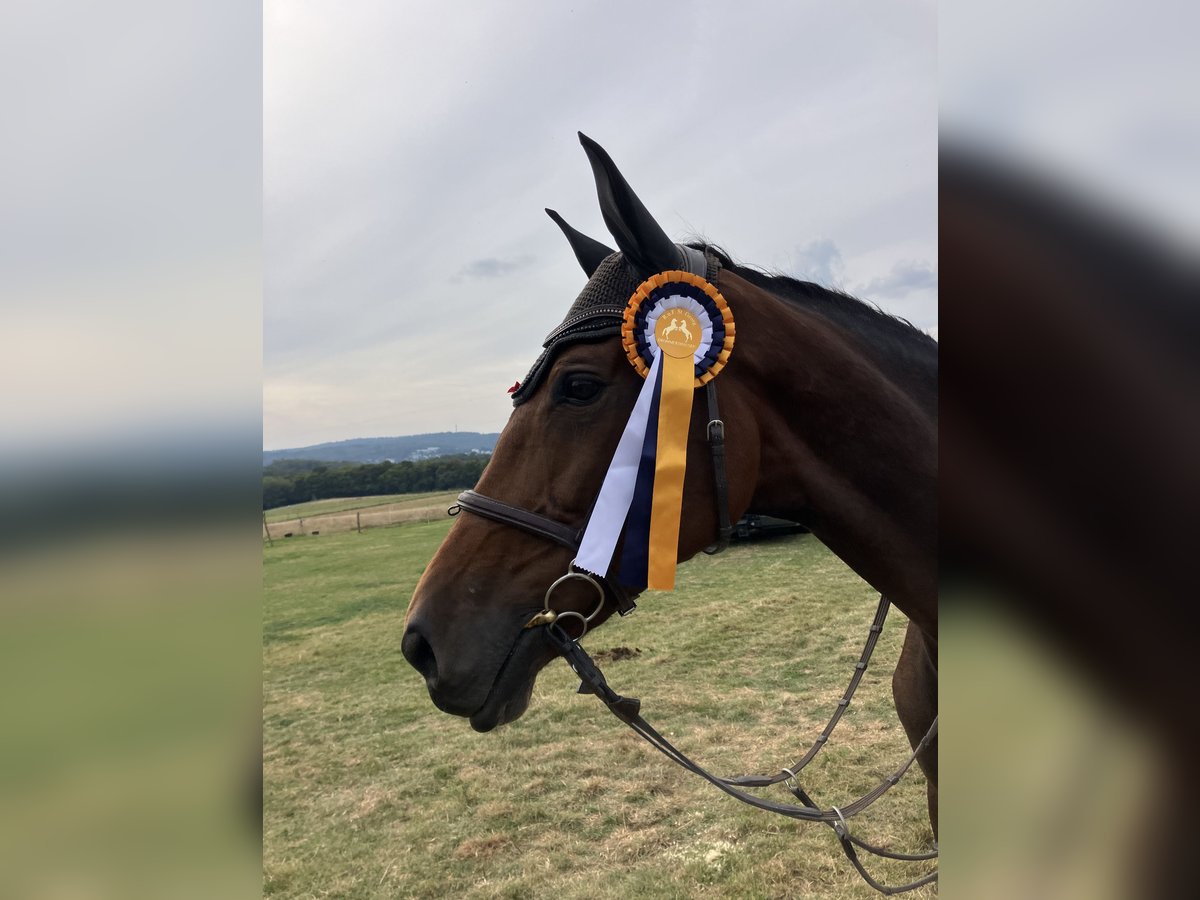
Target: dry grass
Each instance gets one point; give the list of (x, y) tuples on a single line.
[(343, 504), (371, 792)]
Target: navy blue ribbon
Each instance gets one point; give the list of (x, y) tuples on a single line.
[(635, 551)]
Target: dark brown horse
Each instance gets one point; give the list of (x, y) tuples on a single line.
[(830, 411)]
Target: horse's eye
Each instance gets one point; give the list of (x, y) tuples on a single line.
[(579, 388)]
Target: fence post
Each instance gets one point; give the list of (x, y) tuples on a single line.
[(358, 521), (270, 542)]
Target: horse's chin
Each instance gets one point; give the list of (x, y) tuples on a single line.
[(502, 708), (509, 697)]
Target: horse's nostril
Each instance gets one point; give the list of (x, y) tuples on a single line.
[(419, 653)]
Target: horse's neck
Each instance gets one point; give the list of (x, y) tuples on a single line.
[(841, 446), (905, 356)]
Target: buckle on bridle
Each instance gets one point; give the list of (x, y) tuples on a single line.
[(716, 431)]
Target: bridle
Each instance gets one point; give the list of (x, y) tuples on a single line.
[(570, 537), (627, 709)]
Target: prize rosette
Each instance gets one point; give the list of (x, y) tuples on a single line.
[(678, 333), (688, 300)]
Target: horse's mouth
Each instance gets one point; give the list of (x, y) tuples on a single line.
[(500, 709), (511, 691)]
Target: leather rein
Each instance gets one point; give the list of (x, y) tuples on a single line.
[(627, 709)]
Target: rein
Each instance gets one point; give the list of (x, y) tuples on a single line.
[(628, 709)]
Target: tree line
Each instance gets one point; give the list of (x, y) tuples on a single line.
[(298, 481)]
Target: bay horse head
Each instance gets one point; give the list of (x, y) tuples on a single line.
[(465, 630)]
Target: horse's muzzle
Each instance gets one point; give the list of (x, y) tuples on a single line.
[(419, 652)]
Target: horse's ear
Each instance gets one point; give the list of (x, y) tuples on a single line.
[(590, 253), (638, 236)]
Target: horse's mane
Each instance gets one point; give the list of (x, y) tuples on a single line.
[(864, 319), (908, 354)]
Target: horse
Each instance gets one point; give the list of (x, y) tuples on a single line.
[(830, 416)]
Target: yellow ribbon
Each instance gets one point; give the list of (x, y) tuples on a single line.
[(678, 335)]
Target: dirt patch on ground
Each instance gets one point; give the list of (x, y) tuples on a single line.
[(616, 654), (482, 846)]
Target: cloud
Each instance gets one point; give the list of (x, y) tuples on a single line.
[(820, 261), (491, 267), (407, 158), (907, 276)]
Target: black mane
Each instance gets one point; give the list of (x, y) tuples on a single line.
[(907, 353), (847, 310)]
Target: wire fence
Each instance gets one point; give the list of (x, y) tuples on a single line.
[(355, 519)]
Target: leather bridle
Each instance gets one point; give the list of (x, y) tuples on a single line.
[(569, 536), (628, 709), (564, 535)]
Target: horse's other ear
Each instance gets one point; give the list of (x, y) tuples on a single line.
[(590, 253), (638, 236)]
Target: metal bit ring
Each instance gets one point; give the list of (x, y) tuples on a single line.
[(549, 615)]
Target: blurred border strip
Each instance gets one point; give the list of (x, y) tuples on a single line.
[(1070, 431), (130, 458)]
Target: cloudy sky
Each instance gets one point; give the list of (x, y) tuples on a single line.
[(409, 150)]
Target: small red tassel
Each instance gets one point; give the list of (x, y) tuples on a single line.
[(516, 387)]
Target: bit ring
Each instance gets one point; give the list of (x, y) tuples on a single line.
[(548, 615)]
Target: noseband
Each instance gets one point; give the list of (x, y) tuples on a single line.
[(541, 526)]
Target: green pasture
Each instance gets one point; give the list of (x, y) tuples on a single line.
[(349, 504), (372, 792)]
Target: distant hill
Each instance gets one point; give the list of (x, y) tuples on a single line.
[(396, 449)]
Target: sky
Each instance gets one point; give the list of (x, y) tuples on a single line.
[(130, 260), (410, 273)]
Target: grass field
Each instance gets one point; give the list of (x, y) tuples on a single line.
[(350, 504), (371, 792)]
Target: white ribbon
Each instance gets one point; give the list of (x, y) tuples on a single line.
[(616, 494)]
